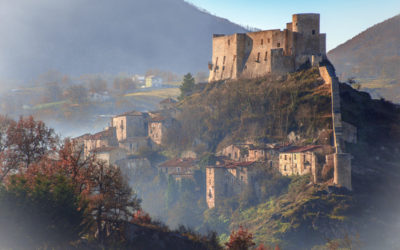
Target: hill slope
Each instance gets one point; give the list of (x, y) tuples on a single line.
[(373, 54), (77, 37), (302, 215)]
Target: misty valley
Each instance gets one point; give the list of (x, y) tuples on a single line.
[(131, 142)]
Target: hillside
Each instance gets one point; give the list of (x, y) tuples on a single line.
[(373, 58), (82, 37), (265, 109), (296, 214)]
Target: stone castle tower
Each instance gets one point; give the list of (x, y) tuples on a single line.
[(259, 53)]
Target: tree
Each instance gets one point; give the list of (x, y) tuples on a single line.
[(25, 142), (187, 86), (240, 240), (38, 211), (77, 94), (111, 202)]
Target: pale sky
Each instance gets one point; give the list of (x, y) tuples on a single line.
[(340, 19)]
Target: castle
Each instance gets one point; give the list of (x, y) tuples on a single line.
[(256, 54)]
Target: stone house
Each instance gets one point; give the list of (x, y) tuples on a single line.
[(157, 127), (179, 168), (132, 145), (298, 160), (129, 125), (256, 54), (248, 152), (106, 138), (235, 152), (110, 155), (226, 179)]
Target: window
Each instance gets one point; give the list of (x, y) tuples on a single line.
[(284, 168), (258, 56), (313, 32), (223, 67), (270, 164), (262, 41), (223, 61), (178, 170), (241, 178), (278, 45), (269, 40), (285, 157), (229, 42), (295, 156), (266, 56), (304, 157), (235, 155)]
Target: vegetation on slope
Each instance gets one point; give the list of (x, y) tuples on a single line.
[(266, 108)]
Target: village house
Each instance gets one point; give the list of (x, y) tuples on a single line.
[(157, 128), (226, 179), (248, 152), (298, 160), (130, 124), (106, 138), (153, 81), (109, 155), (132, 145), (179, 168)]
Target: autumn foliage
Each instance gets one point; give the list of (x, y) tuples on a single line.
[(240, 240), (59, 190)]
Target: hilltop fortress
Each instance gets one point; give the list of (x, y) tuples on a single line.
[(256, 54)]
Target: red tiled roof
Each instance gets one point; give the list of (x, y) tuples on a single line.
[(102, 135), (299, 149), (158, 119), (181, 162), (132, 113), (168, 101)]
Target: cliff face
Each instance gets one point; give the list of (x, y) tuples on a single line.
[(373, 58)]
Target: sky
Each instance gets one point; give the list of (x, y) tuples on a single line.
[(340, 20)]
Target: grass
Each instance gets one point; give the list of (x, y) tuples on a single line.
[(49, 105), (160, 93)]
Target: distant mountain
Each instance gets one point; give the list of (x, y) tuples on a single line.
[(373, 58), (89, 36)]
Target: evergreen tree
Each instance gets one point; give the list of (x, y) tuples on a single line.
[(187, 86)]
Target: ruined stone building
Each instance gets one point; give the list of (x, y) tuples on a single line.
[(110, 155), (256, 54), (180, 168), (298, 160), (157, 127), (106, 138), (133, 144), (226, 179), (129, 125), (246, 152)]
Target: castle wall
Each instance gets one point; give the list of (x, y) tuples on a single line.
[(224, 60), (252, 54), (306, 36), (258, 47)]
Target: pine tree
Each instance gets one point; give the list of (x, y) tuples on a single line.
[(187, 86)]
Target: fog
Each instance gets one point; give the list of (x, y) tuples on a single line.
[(87, 36)]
